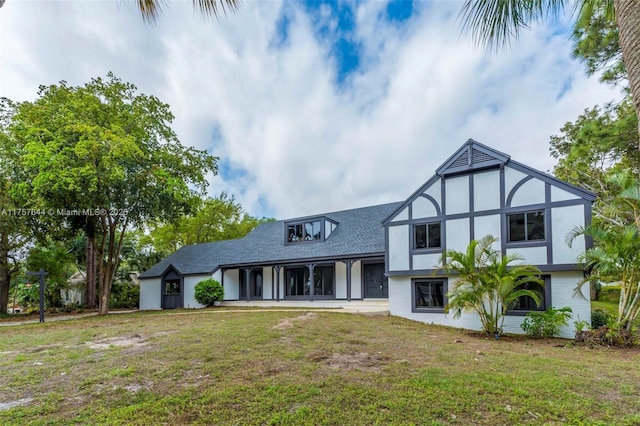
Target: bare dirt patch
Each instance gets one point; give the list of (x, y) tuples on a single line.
[(354, 361), (11, 404), (121, 342), (288, 322)]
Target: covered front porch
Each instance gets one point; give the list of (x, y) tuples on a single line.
[(314, 281)]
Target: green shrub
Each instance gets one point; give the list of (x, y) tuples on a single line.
[(209, 291), (599, 318), (609, 294), (547, 323), (124, 295)]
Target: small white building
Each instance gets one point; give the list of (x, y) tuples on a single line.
[(393, 250)]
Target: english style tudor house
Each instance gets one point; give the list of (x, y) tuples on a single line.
[(393, 250)]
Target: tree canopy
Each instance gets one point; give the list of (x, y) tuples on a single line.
[(103, 157)]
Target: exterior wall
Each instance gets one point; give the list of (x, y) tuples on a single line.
[(423, 207), (458, 234), (150, 294), (486, 190), (267, 274), (562, 286), (231, 284), (564, 219), (356, 280), (398, 240), (341, 280), (486, 225), (530, 192), (457, 194), (478, 203), (189, 289), (426, 261)]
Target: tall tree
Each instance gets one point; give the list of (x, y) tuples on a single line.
[(218, 218), (14, 223), (107, 155), (615, 256), (598, 145), (496, 22)]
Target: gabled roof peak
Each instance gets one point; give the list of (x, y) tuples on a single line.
[(471, 156)]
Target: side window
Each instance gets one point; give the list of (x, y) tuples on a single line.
[(525, 304), (427, 236), (526, 226), (429, 295)]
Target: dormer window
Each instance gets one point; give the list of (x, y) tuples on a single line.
[(309, 230)]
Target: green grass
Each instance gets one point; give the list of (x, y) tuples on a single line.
[(290, 368), (610, 307)]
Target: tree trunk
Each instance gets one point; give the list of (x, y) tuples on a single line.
[(5, 273), (5, 281), (628, 19), (91, 273)]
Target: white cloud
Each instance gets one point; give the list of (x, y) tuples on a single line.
[(303, 144)]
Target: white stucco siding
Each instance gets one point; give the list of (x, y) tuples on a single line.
[(422, 208), (558, 194), (511, 178), (435, 190), (356, 280), (563, 285), (487, 225), (486, 191), (457, 194), (402, 215), (231, 284), (267, 273), (341, 280), (400, 304), (399, 248), (530, 192), (531, 255), (190, 289), (458, 234), (426, 261), (150, 294), (563, 220)]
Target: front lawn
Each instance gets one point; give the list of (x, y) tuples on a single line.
[(225, 367)]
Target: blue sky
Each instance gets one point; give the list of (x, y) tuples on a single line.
[(312, 106)]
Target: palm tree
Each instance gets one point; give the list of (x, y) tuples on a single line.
[(497, 22), (615, 256), (152, 9), (487, 283)]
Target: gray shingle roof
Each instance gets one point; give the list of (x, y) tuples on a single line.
[(359, 233)]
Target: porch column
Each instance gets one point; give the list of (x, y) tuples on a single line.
[(311, 266), (247, 278), (277, 271), (222, 277), (349, 264)]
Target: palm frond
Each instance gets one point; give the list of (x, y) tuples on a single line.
[(152, 10), (495, 23)]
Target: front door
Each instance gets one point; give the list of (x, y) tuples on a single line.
[(376, 285), (171, 294)]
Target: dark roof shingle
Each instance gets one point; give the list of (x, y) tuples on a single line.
[(359, 232)]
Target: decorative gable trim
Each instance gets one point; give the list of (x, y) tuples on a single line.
[(410, 200), (554, 181), (472, 156)]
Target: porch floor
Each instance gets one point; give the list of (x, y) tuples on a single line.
[(369, 306)]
